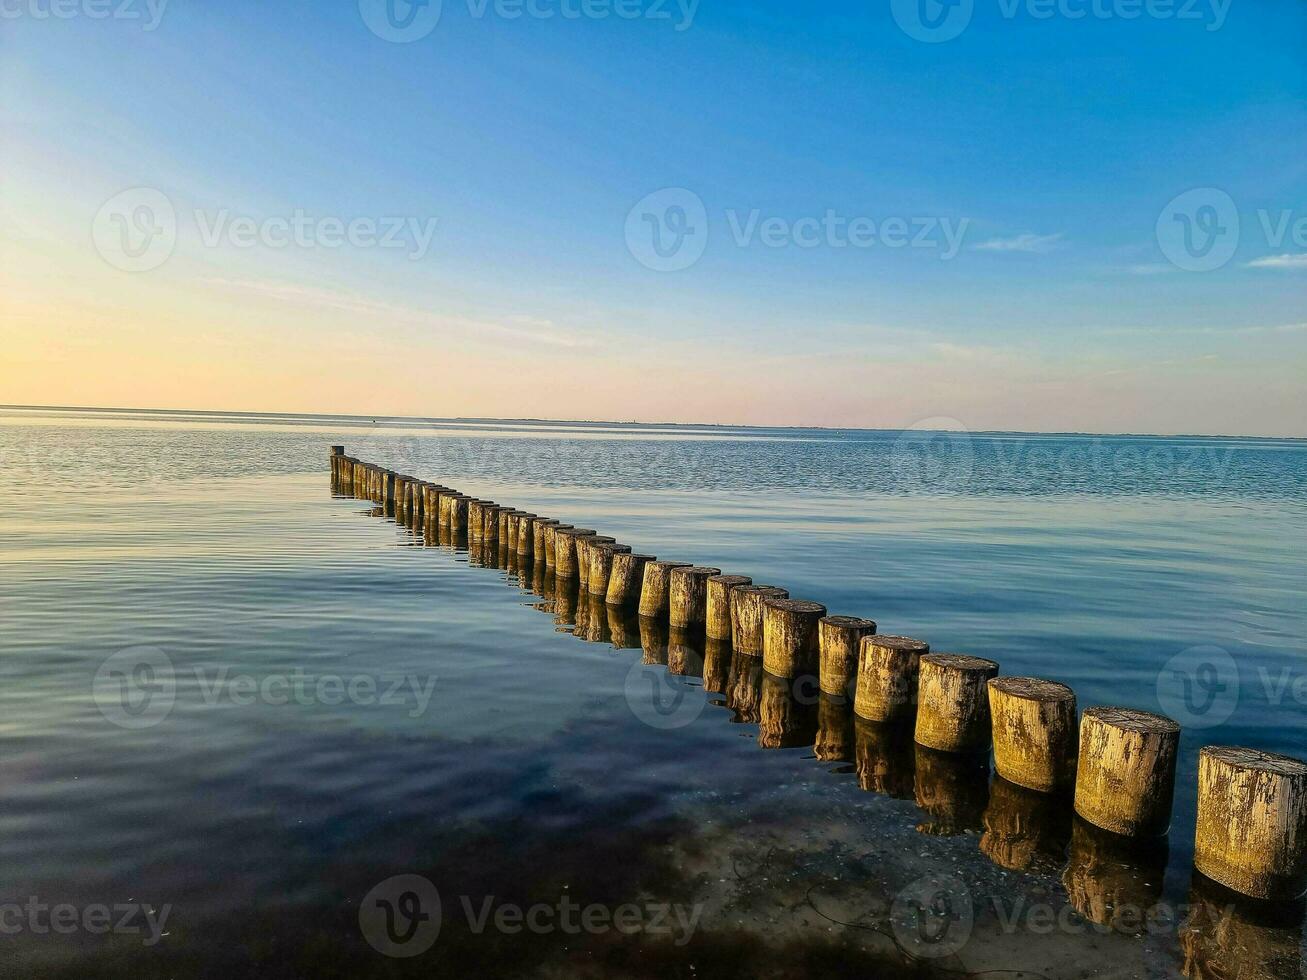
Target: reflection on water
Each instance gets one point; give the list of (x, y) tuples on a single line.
[(531, 775)]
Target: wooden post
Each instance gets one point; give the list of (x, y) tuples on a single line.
[(887, 678), (502, 515), (1125, 780), (952, 703), (687, 600), (551, 532), (1034, 727), (601, 565), (584, 545), (538, 528), (458, 513), (626, 578), (789, 636), (490, 531), (565, 551), (1252, 822), (717, 616), (337, 463), (746, 616), (524, 541), (838, 641), (655, 588)]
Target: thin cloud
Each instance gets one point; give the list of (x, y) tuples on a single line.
[(532, 329), (1029, 242), (1286, 261)]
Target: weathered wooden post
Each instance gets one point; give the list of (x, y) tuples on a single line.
[(337, 463), (717, 616), (1034, 727), (458, 521), (525, 539), (887, 678), (839, 639), (687, 599), (566, 558), (789, 636), (626, 578), (601, 565), (1252, 822), (538, 528), (551, 542), (952, 702), (746, 616), (1125, 779), (655, 588), (584, 546), (490, 530)]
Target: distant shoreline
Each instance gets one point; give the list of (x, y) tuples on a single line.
[(399, 421)]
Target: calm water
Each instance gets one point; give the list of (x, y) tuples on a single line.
[(335, 700)]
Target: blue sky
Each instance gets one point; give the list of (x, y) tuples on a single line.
[(1058, 141)]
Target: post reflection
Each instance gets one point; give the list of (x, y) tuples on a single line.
[(716, 665), (592, 619), (1228, 937), (885, 758), (685, 652), (653, 640), (1026, 830), (952, 789), (834, 729), (1109, 879), (744, 688), (787, 713), (623, 627)]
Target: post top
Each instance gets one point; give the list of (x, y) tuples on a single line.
[(729, 580), (671, 564), (1032, 689), (1256, 760), (889, 642), (959, 661), (849, 622), (763, 591), (696, 571), (1133, 720), (795, 605)]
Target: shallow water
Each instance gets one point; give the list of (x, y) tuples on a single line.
[(350, 701)]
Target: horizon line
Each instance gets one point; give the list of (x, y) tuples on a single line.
[(609, 422)]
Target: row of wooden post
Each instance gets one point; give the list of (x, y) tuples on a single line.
[(1120, 763)]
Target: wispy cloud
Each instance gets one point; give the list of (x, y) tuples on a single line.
[(1288, 260), (1150, 269), (528, 328), (1028, 242)]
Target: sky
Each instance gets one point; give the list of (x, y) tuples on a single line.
[(1036, 215)]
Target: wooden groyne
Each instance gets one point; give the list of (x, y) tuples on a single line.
[(757, 645)]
